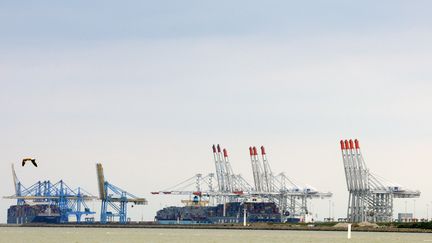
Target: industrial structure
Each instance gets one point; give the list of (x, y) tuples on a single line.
[(370, 196), (45, 201), (114, 199), (290, 198), (217, 197)]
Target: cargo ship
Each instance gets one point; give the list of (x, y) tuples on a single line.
[(231, 212), (23, 214)]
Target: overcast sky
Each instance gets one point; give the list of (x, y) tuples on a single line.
[(147, 87)]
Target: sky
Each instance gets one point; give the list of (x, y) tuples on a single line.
[(147, 87)]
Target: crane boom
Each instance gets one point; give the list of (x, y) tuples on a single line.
[(101, 181)]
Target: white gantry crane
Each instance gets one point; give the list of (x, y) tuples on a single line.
[(230, 187), (290, 196), (370, 196), (228, 182), (198, 186)]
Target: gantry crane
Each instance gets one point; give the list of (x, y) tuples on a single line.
[(114, 198), (370, 196), (290, 196), (59, 194), (230, 187)]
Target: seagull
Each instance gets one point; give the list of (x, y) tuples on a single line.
[(29, 159)]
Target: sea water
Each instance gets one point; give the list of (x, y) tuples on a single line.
[(103, 235)]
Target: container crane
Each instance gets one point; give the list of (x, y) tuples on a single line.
[(114, 198), (291, 197), (59, 194), (370, 196)]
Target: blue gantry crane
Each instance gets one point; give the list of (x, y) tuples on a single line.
[(114, 198), (55, 195)]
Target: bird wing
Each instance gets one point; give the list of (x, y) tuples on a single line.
[(34, 162)]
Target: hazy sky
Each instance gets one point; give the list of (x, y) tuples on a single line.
[(147, 87)]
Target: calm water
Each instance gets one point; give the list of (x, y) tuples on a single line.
[(65, 235)]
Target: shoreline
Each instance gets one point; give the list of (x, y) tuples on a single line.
[(225, 227)]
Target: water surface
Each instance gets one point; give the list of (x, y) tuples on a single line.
[(102, 235)]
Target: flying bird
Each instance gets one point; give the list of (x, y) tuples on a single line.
[(29, 159)]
